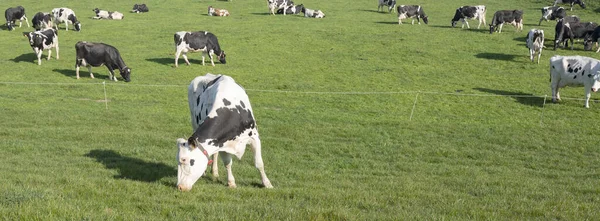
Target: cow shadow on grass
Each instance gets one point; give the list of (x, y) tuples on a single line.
[(523, 98), (497, 56), (30, 57), (171, 61), (82, 73), (387, 22), (132, 168), (261, 13)]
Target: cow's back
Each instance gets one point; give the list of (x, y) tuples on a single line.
[(565, 68)]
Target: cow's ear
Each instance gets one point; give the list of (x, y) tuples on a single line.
[(192, 142)]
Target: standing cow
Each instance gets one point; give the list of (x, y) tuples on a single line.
[(41, 21), (43, 40), (552, 13), (201, 41), (571, 2), (469, 12), (67, 16), (513, 17), (535, 43), (223, 122), (12, 14), (574, 71), (97, 54), (411, 11), (566, 31), (391, 4)]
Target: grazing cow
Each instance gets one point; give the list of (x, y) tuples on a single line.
[(589, 40), (43, 40), (12, 14), (469, 12), (572, 30), (97, 54), (223, 122), (411, 11), (296, 9), (391, 4), (535, 43), (41, 21), (103, 14), (571, 2), (552, 13), (67, 16), (279, 4), (574, 71), (203, 41), (513, 17), (311, 13), (137, 8), (217, 11)]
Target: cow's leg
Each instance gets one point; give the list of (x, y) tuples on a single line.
[(185, 58), (500, 27), (531, 54), (215, 166), (76, 69), (49, 53), (466, 22), (554, 85), (177, 53), (588, 91), (540, 54), (258, 162), (203, 58), (26, 21), (90, 70), (598, 50), (57, 50), (111, 74), (38, 53), (226, 157), (66, 26), (210, 55)]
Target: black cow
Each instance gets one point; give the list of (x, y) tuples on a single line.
[(552, 13), (12, 14), (411, 11), (513, 17), (571, 2), (43, 40), (203, 41), (572, 30), (296, 9), (97, 54), (41, 21), (589, 40), (469, 12), (137, 8)]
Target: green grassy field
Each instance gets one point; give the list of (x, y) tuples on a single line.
[(360, 118)]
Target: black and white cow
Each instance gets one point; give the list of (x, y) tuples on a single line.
[(43, 40), (535, 43), (552, 13), (279, 4), (574, 71), (589, 40), (16, 13), (67, 16), (97, 54), (223, 122), (312, 13), (201, 41), (513, 17), (571, 2), (41, 21), (566, 31), (390, 4), (137, 8), (296, 9), (411, 11), (469, 12), (103, 14)]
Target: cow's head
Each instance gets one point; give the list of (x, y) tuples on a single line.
[(126, 74), (581, 3), (96, 10), (191, 163), (425, 19), (492, 28), (221, 57), (596, 84), (211, 10)]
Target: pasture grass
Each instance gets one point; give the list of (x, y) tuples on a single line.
[(360, 118)]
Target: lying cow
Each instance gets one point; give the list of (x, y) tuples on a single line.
[(469, 12), (590, 39), (279, 4), (574, 71), (513, 17), (137, 8), (97, 54), (296, 9), (12, 14), (217, 11), (67, 16), (411, 11), (535, 43), (43, 40), (41, 21), (201, 41), (311, 13), (223, 123), (571, 2), (103, 14), (566, 31), (390, 4), (552, 13)]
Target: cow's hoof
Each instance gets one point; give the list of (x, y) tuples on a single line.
[(232, 185)]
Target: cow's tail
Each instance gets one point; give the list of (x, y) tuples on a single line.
[(177, 39)]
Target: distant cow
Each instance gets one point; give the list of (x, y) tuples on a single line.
[(217, 11), (223, 122), (97, 54), (103, 14), (201, 41), (571, 2), (574, 71), (12, 14), (41, 21), (296, 9), (552, 13), (391, 4), (589, 40), (411, 11), (469, 12), (535, 43), (67, 16), (311, 13), (43, 40), (513, 17), (566, 31), (137, 8), (279, 4)]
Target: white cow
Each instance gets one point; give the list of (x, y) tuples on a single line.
[(103, 14), (535, 43), (574, 71), (223, 122)]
